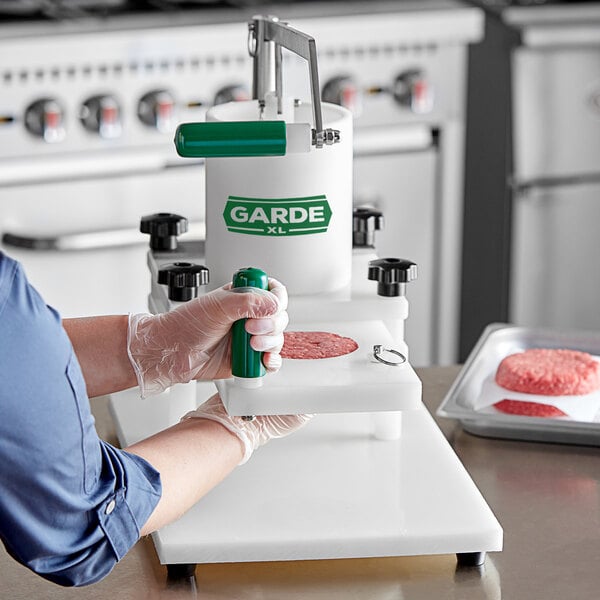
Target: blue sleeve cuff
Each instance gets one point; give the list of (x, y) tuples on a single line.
[(126, 494), (124, 513)]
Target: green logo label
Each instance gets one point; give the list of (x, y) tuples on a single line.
[(281, 216)]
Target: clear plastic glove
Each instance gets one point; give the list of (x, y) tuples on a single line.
[(251, 433), (193, 341)]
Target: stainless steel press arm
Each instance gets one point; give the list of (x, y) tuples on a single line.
[(266, 37)]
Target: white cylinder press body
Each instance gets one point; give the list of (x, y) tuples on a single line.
[(290, 216)]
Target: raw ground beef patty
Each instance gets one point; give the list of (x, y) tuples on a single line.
[(528, 409), (316, 344), (549, 372)]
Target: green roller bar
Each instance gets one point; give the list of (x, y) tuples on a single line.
[(231, 138)]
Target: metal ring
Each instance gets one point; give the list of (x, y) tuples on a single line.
[(378, 349)]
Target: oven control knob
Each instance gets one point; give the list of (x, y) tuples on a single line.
[(344, 91), (412, 90), (44, 118), (102, 115), (231, 93), (163, 229), (157, 109), (183, 280), (365, 222), (392, 275)]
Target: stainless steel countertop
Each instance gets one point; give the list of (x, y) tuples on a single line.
[(546, 496)]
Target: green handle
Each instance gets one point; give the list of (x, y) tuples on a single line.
[(235, 138), (246, 362)]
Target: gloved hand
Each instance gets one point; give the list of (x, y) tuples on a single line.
[(251, 433), (193, 341)]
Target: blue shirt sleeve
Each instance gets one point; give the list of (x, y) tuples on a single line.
[(71, 505)]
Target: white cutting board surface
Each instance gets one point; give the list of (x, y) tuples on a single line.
[(330, 490)]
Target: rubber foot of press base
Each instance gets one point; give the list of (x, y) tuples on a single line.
[(181, 570), (470, 559)]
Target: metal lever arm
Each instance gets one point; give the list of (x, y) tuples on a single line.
[(268, 30)]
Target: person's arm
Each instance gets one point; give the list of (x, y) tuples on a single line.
[(190, 342), (100, 344), (71, 504), (196, 454), (192, 457)]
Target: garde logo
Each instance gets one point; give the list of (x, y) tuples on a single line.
[(277, 216)]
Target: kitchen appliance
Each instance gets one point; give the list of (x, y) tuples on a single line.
[(318, 494), (88, 107), (532, 179)]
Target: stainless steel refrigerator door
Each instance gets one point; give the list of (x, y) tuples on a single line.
[(555, 278), (556, 104)]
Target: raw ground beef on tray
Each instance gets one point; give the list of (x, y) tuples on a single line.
[(316, 344), (528, 409), (549, 372)]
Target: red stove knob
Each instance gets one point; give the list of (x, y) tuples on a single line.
[(44, 118), (102, 115), (157, 109), (413, 90), (344, 91), (232, 93)]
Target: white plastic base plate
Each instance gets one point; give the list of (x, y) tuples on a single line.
[(355, 382), (331, 490)]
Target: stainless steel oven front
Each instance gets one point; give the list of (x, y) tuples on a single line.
[(88, 110)]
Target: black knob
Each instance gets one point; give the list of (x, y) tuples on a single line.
[(413, 90), (365, 222), (163, 229), (344, 90), (232, 93), (157, 109), (45, 118), (392, 275), (102, 115), (184, 280)]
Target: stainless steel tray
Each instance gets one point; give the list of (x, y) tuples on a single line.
[(497, 341)]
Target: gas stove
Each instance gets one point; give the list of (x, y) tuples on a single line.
[(500, 6), (525, 3), (88, 109), (52, 10)]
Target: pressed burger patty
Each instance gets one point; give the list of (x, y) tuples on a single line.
[(528, 409), (549, 372), (316, 344)]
